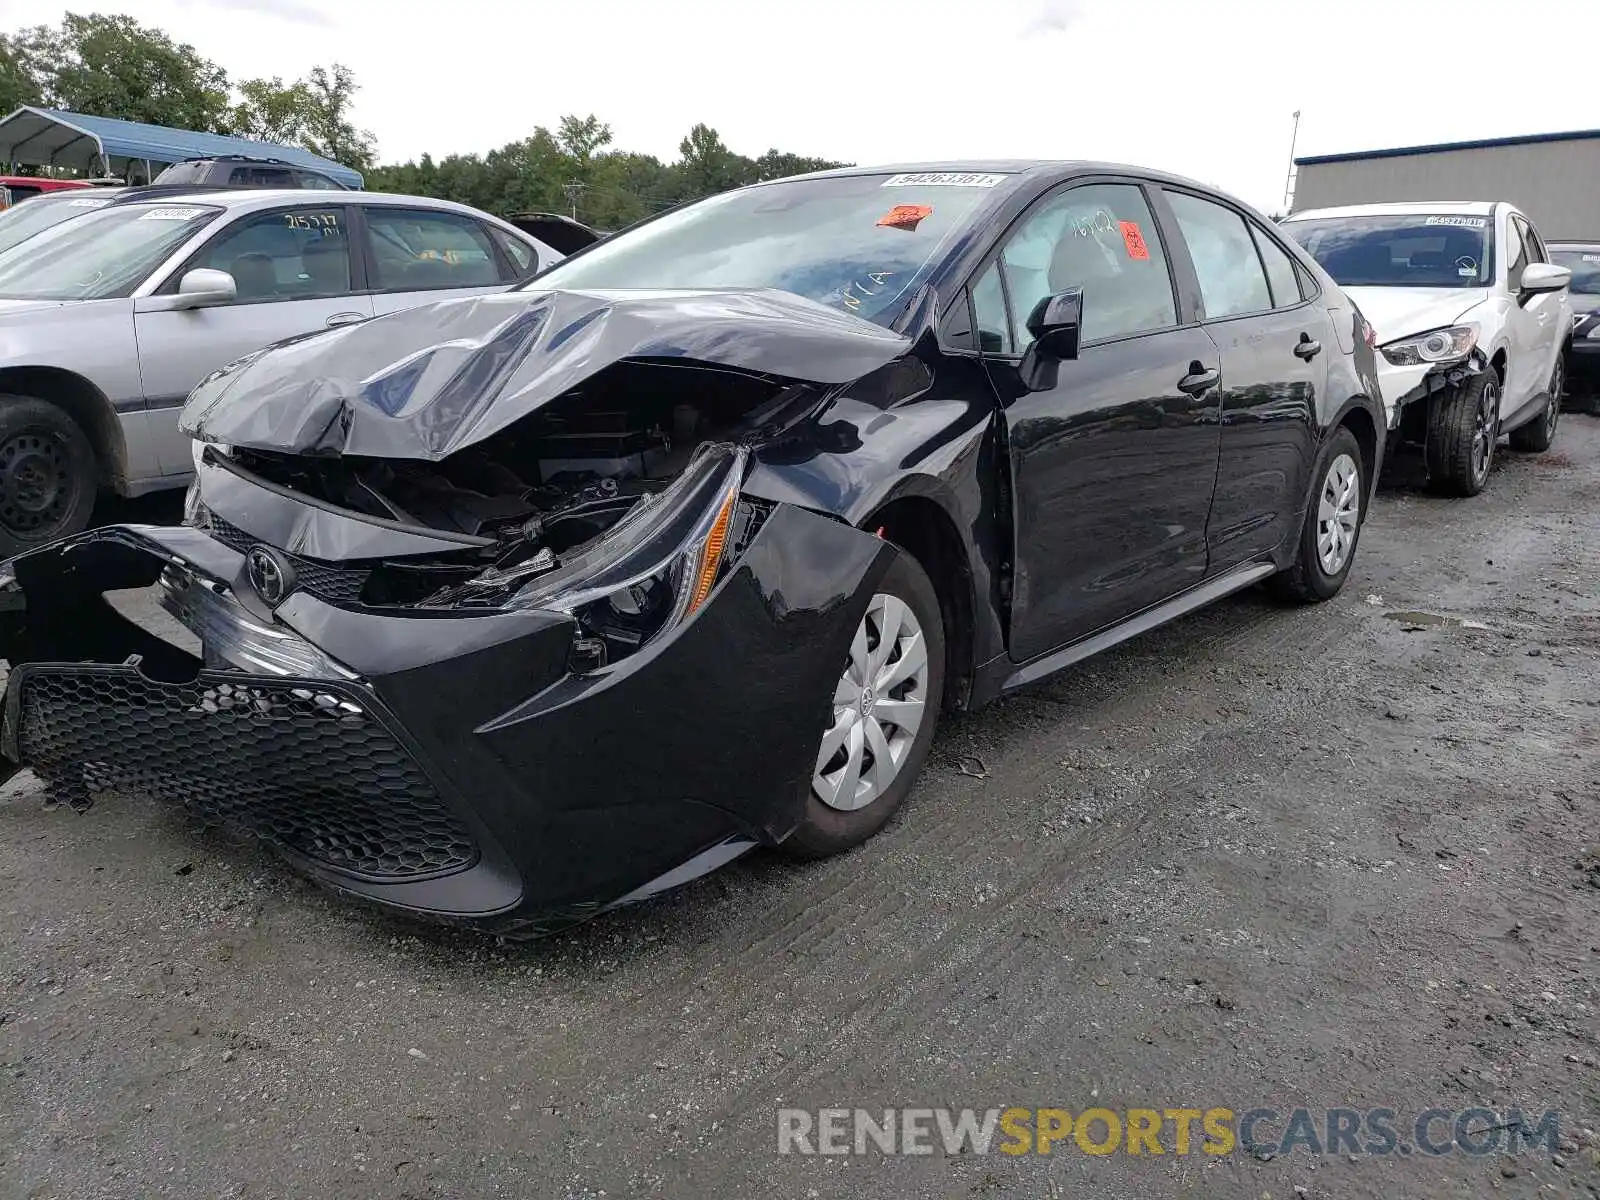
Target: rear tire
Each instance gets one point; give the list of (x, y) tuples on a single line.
[(48, 474), (1334, 517), (845, 805), (1463, 428), (1536, 436)]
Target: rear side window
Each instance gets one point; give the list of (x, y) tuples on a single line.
[(1232, 280), (415, 250), (1281, 275), (523, 258)]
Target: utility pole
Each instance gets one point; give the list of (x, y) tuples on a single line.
[(573, 189), (1288, 182)]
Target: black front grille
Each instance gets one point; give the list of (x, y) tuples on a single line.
[(305, 766), (326, 581)]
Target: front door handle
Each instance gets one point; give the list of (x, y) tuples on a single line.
[(344, 318), (1308, 348), (1200, 379)]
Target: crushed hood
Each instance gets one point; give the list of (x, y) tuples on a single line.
[(1397, 312), (425, 382)]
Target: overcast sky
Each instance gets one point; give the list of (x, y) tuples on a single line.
[(1204, 89)]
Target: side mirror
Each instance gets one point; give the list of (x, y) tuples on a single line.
[(1054, 324), (1544, 277), (205, 286)]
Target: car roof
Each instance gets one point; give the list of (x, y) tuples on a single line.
[(1022, 168), (1396, 208), (250, 199)]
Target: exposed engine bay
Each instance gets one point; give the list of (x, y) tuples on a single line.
[(536, 496)]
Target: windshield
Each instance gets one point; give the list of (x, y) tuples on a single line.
[(1584, 265), (106, 254), (860, 243), (1401, 249), (22, 222)]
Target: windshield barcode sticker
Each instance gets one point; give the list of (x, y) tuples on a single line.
[(96, 203), (1591, 258), (1463, 222), (943, 179), (172, 214)]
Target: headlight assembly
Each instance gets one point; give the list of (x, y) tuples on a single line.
[(654, 568), (1436, 346)]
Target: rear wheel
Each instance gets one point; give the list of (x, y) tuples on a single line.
[(47, 474), (1463, 428), (885, 707), (1333, 525), (1535, 437)]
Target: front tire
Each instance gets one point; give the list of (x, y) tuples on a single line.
[(1463, 428), (1536, 436), (885, 708), (47, 474), (1327, 545)]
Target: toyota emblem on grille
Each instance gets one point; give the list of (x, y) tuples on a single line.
[(272, 578)]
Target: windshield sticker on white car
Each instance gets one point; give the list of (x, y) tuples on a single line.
[(99, 202), (172, 214), (1591, 258), (943, 179), (1463, 222), (1467, 272)]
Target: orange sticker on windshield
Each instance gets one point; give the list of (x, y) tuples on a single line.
[(906, 216), (1134, 240)]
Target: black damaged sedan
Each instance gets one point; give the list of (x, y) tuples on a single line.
[(510, 609)]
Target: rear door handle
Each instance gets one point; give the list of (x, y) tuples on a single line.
[(1308, 348), (1199, 379), (344, 318)]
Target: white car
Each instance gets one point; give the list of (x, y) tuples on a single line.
[(1471, 319)]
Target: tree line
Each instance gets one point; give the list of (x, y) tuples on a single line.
[(112, 66)]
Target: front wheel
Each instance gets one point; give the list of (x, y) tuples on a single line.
[(1463, 428), (1536, 436), (47, 474), (885, 707), (1328, 539)]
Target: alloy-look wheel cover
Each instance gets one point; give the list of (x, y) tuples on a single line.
[(878, 707), (1338, 514), (1552, 410)]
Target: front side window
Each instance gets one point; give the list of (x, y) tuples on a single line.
[(989, 313), (1232, 280), (1420, 249), (103, 255), (283, 255), (860, 244), (413, 250), (1100, 238)]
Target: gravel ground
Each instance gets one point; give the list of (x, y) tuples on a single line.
[(1337, 857)]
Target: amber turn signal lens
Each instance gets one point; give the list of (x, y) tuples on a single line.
[(711, 555)]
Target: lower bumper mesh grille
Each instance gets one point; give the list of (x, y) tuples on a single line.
[(304, 766)]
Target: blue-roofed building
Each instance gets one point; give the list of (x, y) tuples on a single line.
[(47, 137)]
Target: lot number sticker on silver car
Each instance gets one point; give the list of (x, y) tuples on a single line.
[(943, 179), (172, 214)]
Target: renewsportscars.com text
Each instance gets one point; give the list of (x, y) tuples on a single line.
[(1263, 1132)]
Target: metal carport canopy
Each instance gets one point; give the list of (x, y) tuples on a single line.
[(44, 137)]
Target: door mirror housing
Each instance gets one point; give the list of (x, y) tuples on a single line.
[(204, 287), (1054, 323), (1544, 277)]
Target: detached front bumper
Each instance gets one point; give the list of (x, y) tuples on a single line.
[(447, 764), (1405, 386)]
